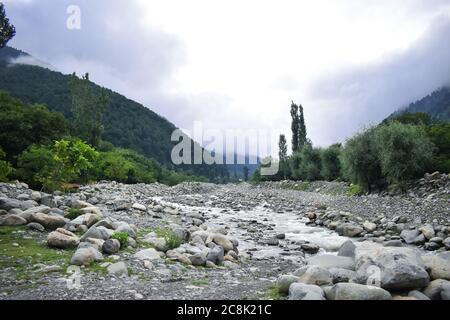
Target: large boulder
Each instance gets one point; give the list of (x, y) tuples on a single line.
[(314, 275), (125, 227), (111, 246), (156, 242), (198, 259), (85, 256), (369, 226), (435, 289), (97, 233), (394, 268), (12, 220), (118, 269), (354, 291), (347, 249), (147, 254), (341, 275), (412, 237), (87, 219), (62, 239), (27, 214), (349, 230), (301, 291), (438, 265), (49, 222), (284, 282), (222, 241), (327, 261), (428, 231), (215, 255)]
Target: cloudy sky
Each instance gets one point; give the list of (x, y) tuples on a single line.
[(238, 64)]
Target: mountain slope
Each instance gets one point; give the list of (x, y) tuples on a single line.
[(127, 123), (437, 105)]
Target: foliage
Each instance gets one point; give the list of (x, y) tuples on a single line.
[(73, 213), (298, 127), (355, 190), (405, 152), (331, 164), (122, 237), (439, 134), (282, 155), (5, 167), (310, 163), (36, 166), (87, 109), (7, 30), (172, 239), (23, 126)]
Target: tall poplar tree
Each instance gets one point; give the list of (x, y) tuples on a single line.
[(295, 127)]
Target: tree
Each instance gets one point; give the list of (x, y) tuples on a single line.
[(245, 171), (5, 167), (282, 154), (294, 127), (405, 151), (360, 160), (310, 163), (331, 165), (88, 109), (7, 30), (302, 140)]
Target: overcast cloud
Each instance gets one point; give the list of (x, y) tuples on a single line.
[(238, 64)]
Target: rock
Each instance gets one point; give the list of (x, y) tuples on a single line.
[(418, 295), (125, 227), (49, 222), (280, 236), (97, 233), (8, 204), (222, 241), (147, 254), (216, 255), (354, 291), (139, 207), (198, 259), (369, 226), (427, 231), (273, 242), (36, 226), (36, 196), (316, 275), (327, 261), (301, 291), (446, 243), (341, 275), (284, 282), (393, 243), (181, 257), (159, 244), (431, 246), (412, 237), (118, 269), (111, 246), (445, 292), (435, 288), (120, 204), (394, 268), (347, 249), (48, 200), (27, 214), (349, 230), (87, 219), (85, 256), (62, 239), (310, 248), (439, 265), (12, 220)]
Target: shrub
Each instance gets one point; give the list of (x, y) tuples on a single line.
[(73, 213), (172, 239), (355, 190), (331, 164), (122, 237), (5, 168)]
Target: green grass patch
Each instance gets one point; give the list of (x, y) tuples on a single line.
[(200, 282), (122, 237), (273, 293), (355, 190), (73, 213)]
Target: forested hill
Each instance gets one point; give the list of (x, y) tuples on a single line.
[(127, 123), (437, 105)]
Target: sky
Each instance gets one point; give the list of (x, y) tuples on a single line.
[(239, 64)]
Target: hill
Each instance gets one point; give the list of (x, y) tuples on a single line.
[(127, 123)]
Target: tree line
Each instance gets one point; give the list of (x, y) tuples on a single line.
[(398, 150)]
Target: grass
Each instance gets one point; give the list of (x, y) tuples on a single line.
[(200, 282), (172, 239), (122, 237), (73, 213), (355, 190), (29, 253), (273, 293)]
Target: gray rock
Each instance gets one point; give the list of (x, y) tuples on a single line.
[(198, 259), (435, 288), (36, 226), (369, 226), (412, 237), (393, 243), (147, 254), (125, 227), (121, 204), (341, 275), (215, 255), (159, 244), (439, 265), (97, 233), (223, 241), (85, 256), (327, 261), (118, 269), (111, 246), (139, 207), (354, 291), (395, 268), (427, 231), (301, 291), (310, 248), (316, 275), (49, 222), (347, 249), (36, 196), (446, 243), (284, 282), (418, 295), (8, 204), (12, 220), (349, 230)]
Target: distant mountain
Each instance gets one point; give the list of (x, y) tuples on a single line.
[(127, 123), (437, 105)]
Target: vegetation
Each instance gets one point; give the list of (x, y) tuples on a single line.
[(5, 167), (7, 30), (73, 213), (122, 237), (172, 239)]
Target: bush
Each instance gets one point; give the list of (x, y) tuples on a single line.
[(331, 164), (172, 239), (310, 163), (405, 151), (122, 237), (73, 213), (5, 168), (355, 190)]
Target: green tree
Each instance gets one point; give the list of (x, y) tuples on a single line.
[(302, 140), (360, 160), (36, 166), (88, 109), (282, 154), (405, 151), (295, 127), (439, 134), (5, 167), (7, 30), (310, 163), (331, 164)]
